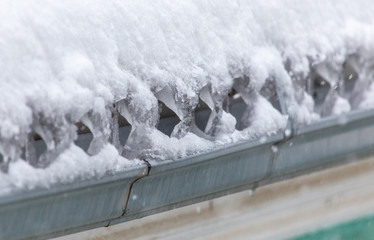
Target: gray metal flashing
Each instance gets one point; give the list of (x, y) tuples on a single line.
[(90, 203), (326, 141), (167, 207), (164, 185), (209, 175)]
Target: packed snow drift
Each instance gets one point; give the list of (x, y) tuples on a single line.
[(69, 63)]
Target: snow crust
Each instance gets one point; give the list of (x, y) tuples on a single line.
[(64, 62)]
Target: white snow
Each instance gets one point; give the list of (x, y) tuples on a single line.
[(64, 62), (72, 164)]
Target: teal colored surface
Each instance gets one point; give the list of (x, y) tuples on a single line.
[(362, 228)]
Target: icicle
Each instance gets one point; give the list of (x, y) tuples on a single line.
[(327, 84), (57, 133), (99, 125), (30, 152), (363, 70), (214, 96), (143, 115), (243, 87), (182, 105), (114, 137)]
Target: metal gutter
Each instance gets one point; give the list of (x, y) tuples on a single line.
[(164, 185), (66, 208), (326, 143), (172, 184), (331, 139)]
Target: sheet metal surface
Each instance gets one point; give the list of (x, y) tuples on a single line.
[(77, 206)]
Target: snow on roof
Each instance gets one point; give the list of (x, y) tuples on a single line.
[(69, 61)]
